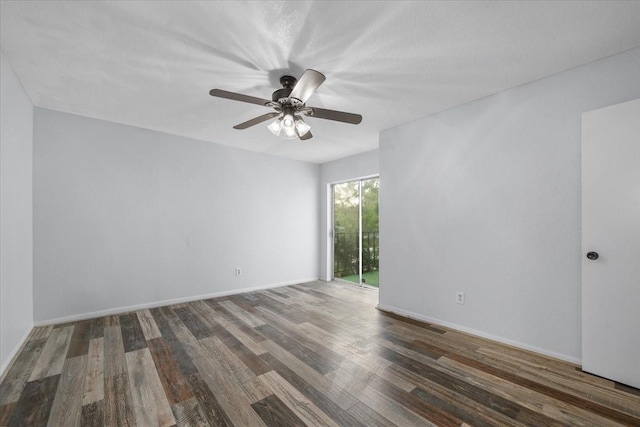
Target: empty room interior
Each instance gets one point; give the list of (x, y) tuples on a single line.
[(319, 213)]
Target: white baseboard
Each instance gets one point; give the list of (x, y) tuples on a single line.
[(478, 333), (136, 307), (14, 354)]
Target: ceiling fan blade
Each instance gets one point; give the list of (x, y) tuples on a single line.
[(255, 121), (338, 116), (308, 83), (238, 97), (306, 136)]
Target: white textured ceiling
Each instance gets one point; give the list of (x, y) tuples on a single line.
[(152, 64)]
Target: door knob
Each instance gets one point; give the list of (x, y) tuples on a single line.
[(592, 255)]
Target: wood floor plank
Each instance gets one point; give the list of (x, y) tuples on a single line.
[(174, 383), (458, 410), (323, 383), (230, 340), (233, 368), (531, 368), (79, 344), (309, 357), (275, 413), (40, 332), (67, 404), (480, 395), (5, 413), (305, 409), (241, 314), (406, 320), (336, 325), (205, 314), (288, 310), (226, 314), (194, 324), (517, 379), (278, 293), (353, 377), (118, 404), (93, 414), (443, 397), (443, 341), (114, 362), (17, 376), (94, 381), (248, 358), (189, 413), (53, 354), (250, 340), (531, 400), (111, 320), (148, 325), (431, 412), (34, 405), (180, 355), (309, 354), (234, 402), (97, 328), (178, 329), (162, 322), (288, 328), (279, 297), (211, 408), (305, 297), (390, 409), (324, 402), (627, 389), (132, 337), (368, 417), (344, 347), (149, 400)]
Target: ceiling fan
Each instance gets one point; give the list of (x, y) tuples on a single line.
[(289, 103)]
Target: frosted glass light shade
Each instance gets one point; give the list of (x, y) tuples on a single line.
[(275, 127), (301, 127)]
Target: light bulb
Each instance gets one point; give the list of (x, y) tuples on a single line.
[(289, 132), (288, 125), (287, 121)]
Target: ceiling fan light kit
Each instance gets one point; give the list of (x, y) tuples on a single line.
[(289, 103), (289, 125)]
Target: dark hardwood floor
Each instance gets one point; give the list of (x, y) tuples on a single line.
[(310, 354)]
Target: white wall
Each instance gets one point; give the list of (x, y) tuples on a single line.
[(16, 243), (130, 217), (349, 168), (485, 198)]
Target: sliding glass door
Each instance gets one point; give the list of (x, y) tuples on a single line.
[(356, 241)]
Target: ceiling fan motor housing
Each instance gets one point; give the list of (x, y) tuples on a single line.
[(287, 82)]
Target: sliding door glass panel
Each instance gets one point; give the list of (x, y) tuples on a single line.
[(356, 242), (346, 231), (370, 234)]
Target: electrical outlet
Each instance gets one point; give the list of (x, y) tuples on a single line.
[(460, 297), (238, 271)]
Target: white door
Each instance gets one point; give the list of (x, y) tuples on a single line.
[(611, 229)]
